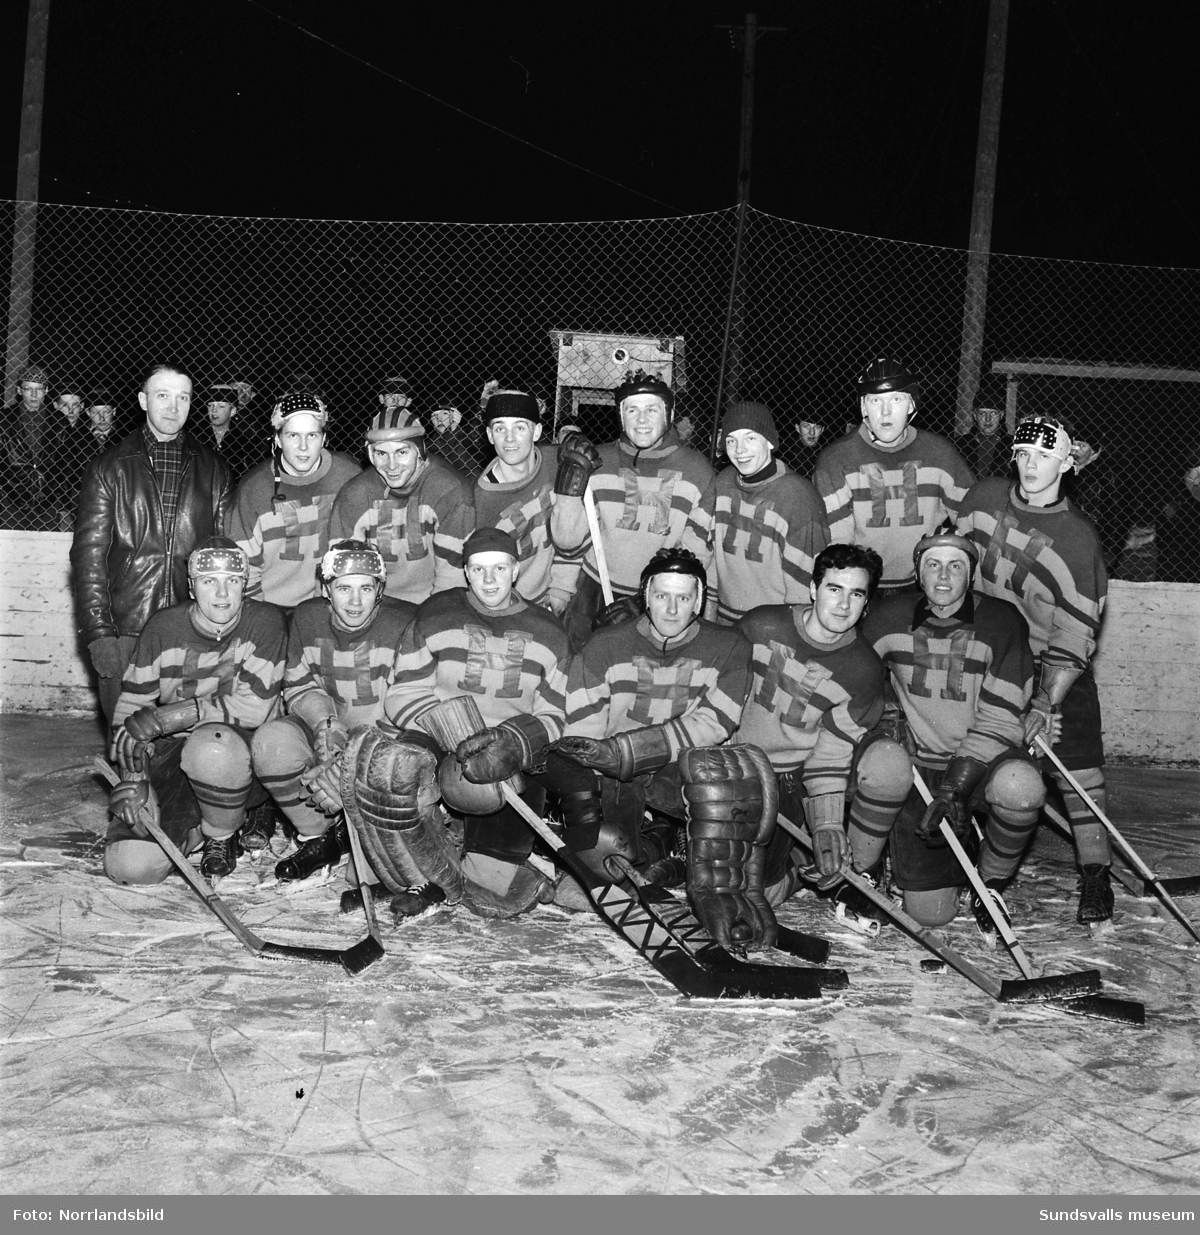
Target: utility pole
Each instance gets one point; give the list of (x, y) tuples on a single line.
[(980, 245), (24, 246), (729, 377)]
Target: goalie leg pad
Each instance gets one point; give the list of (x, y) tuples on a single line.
[(731, 799), (390, 795)]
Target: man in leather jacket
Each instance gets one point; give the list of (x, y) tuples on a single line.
[(144, 505)]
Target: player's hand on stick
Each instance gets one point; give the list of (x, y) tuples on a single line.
[(324, 783), (493, 755), (577, 460)]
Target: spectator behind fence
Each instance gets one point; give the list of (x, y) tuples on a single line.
[(454, 439), (1180, 533), (1138, 559), (26, 447), (800, 448), (989, 450), (102, 419), (71, 452), (145, 504), (230, 435)]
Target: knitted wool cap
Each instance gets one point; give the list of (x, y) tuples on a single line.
[(519, 403), (489, 540), (746, 414)]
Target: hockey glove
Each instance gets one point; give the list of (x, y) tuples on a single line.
[(128, 752), (626, 609), (127, 800), (577, 460), (830, 846), (951, 802), (324, 783), (1045, 719), (146, 724), (624, 757), (490, 756), (329, 740)]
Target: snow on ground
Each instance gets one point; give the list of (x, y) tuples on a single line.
[(145, 1051)]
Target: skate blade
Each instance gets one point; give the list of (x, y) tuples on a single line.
[(318, 879), (860, 926)]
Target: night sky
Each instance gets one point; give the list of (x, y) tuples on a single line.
[(866, 121)]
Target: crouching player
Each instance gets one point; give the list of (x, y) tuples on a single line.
[(961, 666), (649, 705), (816, 691), (203, 677), (485, 642), (340, 653)]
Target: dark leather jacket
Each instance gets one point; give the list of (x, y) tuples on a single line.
[(124, 565)]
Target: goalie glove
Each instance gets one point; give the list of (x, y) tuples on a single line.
[(951, 802), (577, 460)]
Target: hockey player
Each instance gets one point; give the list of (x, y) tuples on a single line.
[(515, 493), (651, 491), (280, 517), (202, 678), (889, 484), (1040, 553), (961, 667), (640, 695), (414, 508), (340, 655), (768, 523), (487, 642), (816, 690)]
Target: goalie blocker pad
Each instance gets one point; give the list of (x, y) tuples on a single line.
[(390, 795)]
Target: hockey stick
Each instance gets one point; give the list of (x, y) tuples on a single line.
[(360, 871), (1073, 994), (981, 891), (694, 972), (1179, 885), (353, 959), (1138, 865), (593, 520)]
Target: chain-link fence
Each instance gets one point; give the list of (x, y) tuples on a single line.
[(343, 305)]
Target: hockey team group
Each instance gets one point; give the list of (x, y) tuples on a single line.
[(731, 683)]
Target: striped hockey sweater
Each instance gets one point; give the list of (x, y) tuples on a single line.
[(964, 681), (335, 672), (510, 661), (809, 704), (1048, 561), (419, 530), (888, 497), (765, 539), (236, 677), (646, 500), (522, 508), (285, 537), (624, 679)]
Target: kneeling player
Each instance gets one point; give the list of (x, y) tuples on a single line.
[(203, 677), (962, 669), (341, 649)]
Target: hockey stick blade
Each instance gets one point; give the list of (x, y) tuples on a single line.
[(353, 959), (1101, 1007), (1180, 885)]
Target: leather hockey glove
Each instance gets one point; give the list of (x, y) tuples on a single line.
[(626, 609), (831, 848), (950, 802), (623, 757), (127, 801), (577, 460), (128, 753), (324, 783), (1045, 709), (329, 739), (146, 724), (490, 756)]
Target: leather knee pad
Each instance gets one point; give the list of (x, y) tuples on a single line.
[(934, 908), (1016, 785), (217, 754), (885, 770)]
